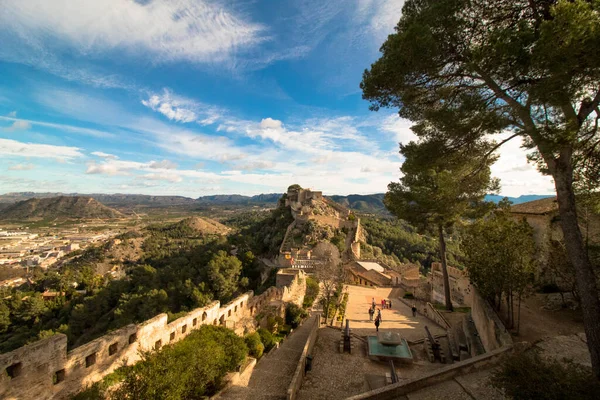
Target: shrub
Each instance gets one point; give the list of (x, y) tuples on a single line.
[(294, 315), (528, 376), (189, 369), (255, 345), (267, 339), (312, 291)]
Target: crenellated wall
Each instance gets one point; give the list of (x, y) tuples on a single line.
[(46, 370)]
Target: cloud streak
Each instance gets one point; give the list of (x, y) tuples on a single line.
[(15, 148), (197, 31)]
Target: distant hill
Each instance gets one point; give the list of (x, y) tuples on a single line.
[(220, 199), (517, 200), (114, 200), (58, 207), (369, 203), (202, 225)]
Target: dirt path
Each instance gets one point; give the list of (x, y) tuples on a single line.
[(538, 323)]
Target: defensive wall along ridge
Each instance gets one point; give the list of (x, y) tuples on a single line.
[(46, 369)]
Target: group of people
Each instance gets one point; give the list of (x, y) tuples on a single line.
[(384, 304), (378, 319)]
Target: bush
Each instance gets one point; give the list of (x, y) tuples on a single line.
[(255, 345), (189, 369), (294, 315), (528, 376), (312, 291), (267, 339)]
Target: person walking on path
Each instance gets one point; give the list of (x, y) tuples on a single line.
[(382, 303), (377, 322), (371, 312), (414, 310), (373, 303), (390, 304), (379, 315)]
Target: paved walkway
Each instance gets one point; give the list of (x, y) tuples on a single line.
[(465, 387), (397, 319), (273, 373)]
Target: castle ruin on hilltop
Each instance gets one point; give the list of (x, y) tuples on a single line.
[(317, 218)]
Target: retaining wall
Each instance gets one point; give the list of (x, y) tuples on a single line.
[(490, 328), (298, 377)]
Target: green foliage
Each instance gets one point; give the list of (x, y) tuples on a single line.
[(467, 71), (438, 187), (312, 291), (399, 242), (173, 276), (261, 232), (223, 272), (342, 308), (255, 345), (527, 376), (294, 315), (267, 338), (499, 254), (189, 369)]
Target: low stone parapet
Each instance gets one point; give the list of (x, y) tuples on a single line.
[(396, 390)]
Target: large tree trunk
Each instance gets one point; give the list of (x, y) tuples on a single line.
[(445, 269), (584, 273)]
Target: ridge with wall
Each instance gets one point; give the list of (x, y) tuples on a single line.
[(47, 370)]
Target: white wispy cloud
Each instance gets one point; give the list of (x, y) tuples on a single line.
[(164, 164), (69, 128), (21, 167), (400, 128), (10, 147), (164, 176), (181, 109), (104, 155), (197, 31), (18, 125)]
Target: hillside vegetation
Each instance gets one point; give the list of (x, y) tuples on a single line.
[(59, 207)]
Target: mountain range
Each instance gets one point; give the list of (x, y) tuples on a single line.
[(370, 203)]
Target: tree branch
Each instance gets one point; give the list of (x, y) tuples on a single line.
[(587, 107)]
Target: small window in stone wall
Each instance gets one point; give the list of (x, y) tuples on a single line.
[(204, 316), (172, 335), (90, 360), (235, 309), (132, 338), (58, 377), (183, 329), (112, 349), (241, 304), (157, 344), (195, 322), (14, 370), (229, 313)]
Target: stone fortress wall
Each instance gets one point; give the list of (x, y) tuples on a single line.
[(46, 369)]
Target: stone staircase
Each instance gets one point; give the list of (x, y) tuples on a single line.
[(273, 373)]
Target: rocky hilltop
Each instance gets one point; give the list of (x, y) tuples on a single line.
[(59, 207), (202, 225)]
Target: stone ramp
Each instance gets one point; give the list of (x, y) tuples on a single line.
[(273, 374)]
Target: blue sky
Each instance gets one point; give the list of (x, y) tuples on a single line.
[(199, 97)]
